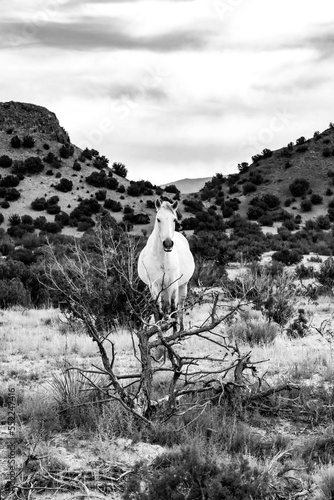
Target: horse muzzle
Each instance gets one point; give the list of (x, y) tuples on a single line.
[(168, 245)]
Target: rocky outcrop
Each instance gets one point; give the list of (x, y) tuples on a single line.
[(28, 118)]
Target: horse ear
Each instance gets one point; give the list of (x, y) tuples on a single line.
[(175, 205), (157, 204)]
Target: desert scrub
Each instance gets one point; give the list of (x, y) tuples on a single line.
[(187, 474), (252, 328)]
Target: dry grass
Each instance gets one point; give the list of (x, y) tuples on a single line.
[(37, 343)]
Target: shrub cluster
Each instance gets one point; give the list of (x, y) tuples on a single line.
[(140, 188)]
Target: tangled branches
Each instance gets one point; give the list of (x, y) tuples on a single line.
[(101, 288)]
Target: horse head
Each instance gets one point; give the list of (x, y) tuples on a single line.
[(165, 223)]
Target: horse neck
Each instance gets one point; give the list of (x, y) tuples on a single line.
[(155, 240)]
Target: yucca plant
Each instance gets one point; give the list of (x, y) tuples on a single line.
[(76, 396)]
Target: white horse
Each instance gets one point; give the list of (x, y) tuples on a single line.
[(166, 263)]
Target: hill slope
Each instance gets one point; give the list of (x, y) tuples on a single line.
[(28, 131), (38, 153), (272, 173)]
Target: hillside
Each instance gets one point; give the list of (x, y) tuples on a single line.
[(29, 131), (272, 173), (38, 161)]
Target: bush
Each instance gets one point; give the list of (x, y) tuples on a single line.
[(193, 206), (15, 142), (248, 187), (323, 222), (14, 220), (65, 185), (38, 204), (66, 151), (120, 169), (53, 200), (304, 272), (101, 194), (253, 213), (266, 220), (62, 218), (52, 227), (33, 165), (27, 219), (326, 152), (188, 474), (28, 141), (114, 206), (12, 194), (299, 187), (76, 166), (190, 223), (267, 153), (253, 329), (171, 188), (306, 206), (49, 158), (299, 327), (316, 199), (10, 181), (86, 224), (271, 200), (302, 148), (53, 209), (287, 257), (137, 218), (5, 161), (325, 276), (289, 224), (101, 162), (150, 204), (133, 189), (112, 183), (227, 211), (13, 293), (97, 179), (256, 178), (40, 221)]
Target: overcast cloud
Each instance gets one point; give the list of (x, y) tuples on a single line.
[(176, 88)]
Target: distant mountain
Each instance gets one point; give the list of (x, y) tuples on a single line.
[(187, 186)]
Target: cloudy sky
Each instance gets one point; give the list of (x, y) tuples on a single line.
[(173, 88)]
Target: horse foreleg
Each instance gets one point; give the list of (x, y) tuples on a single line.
[(158, 306), (173, 301), (183, 290)]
